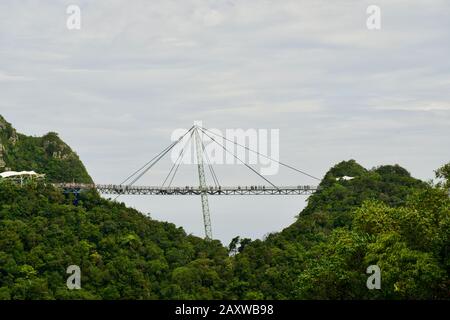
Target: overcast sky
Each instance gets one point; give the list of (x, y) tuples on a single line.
[(116, 89)]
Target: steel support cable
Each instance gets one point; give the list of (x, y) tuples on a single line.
[(140, 169), (146, 170), (178, 166), (176, 161), (151, 166), (263, 155), (173, 177), (211, 169), (158, 157), (216, 181), (240, 160), (149, 162)]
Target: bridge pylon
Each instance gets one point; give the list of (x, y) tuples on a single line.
[(203, 186), (196, 132)]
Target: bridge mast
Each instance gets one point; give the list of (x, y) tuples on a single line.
[(203, 187)]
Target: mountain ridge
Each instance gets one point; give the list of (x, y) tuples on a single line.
[(47, 155), (381, 216)]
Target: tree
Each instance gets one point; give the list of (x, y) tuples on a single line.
[(444, 173)]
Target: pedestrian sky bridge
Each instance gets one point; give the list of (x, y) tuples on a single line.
[(188, 191), (197, 134)]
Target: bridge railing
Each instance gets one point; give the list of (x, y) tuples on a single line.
[(184, 188)]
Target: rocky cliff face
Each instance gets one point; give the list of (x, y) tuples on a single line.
[(2, 162), (8, 136), (47, 154)]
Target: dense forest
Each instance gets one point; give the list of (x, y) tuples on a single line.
[(382, 216)]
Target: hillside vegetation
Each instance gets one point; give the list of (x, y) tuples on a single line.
[(381, 217), (122, 254), (48, 155)]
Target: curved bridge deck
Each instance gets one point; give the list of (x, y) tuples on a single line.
[(188, 190)]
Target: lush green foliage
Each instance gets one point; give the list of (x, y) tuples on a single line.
[(444, 174), (382, 217), (122, 254), (125, 255), (378, 217)]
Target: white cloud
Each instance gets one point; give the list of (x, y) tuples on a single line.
[(4, 77)]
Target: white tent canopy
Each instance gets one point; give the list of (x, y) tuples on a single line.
[(345, 178), (12, 174)]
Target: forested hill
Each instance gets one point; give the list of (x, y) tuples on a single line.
[(122, 254), (48, 155), (380, 217), (358, 218), (337, 198)]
